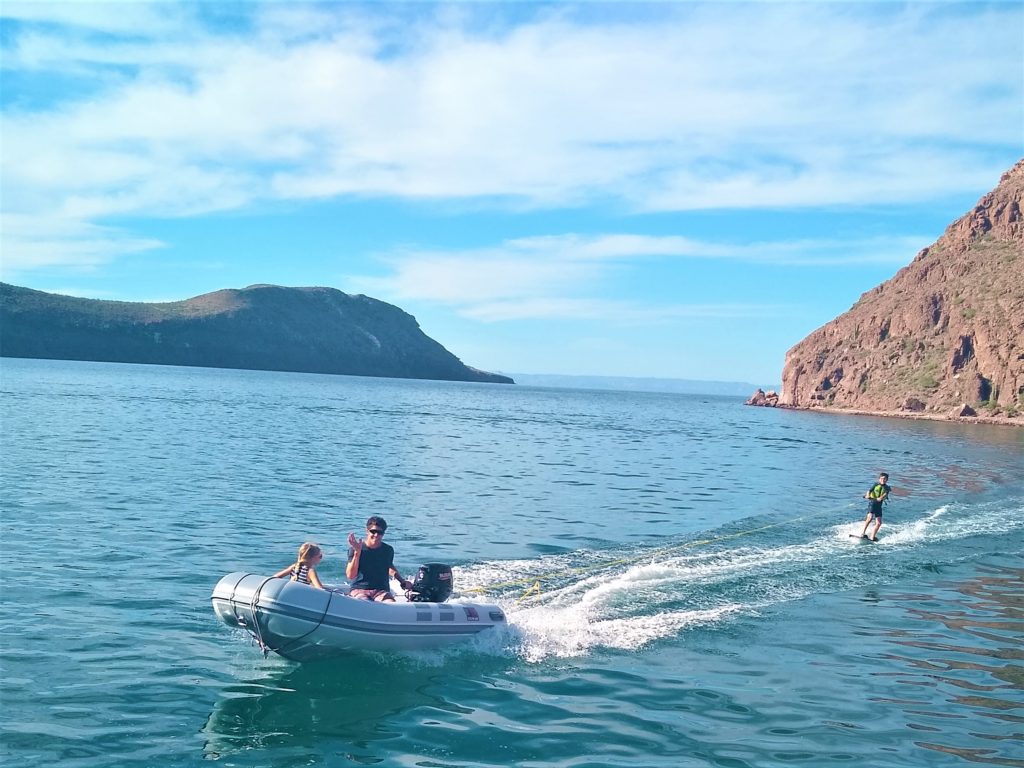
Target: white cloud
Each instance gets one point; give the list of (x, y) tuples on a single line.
[(32, 242), (611, 247), (456, 277), (619, 312), (887, 250), (127, 18), (546, 277), (699, 107)]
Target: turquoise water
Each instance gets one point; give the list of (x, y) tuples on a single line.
[(677, 571)]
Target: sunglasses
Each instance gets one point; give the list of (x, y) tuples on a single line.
[(376, 532)]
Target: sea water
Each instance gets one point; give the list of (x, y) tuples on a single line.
[(680, 581)]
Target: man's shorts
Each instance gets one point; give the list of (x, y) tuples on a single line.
[(376, 595), (875, 510)]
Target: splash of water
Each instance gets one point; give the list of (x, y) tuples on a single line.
[(628, 603)]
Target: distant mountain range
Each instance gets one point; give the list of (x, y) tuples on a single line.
[(262, 327), (631, 384)]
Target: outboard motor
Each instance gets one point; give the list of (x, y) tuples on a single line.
[(433, 584)]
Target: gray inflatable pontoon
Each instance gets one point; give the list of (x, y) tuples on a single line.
[(302, 623)]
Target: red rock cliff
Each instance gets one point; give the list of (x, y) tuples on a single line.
[(947, 329)]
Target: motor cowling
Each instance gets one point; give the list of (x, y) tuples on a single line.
[(433, 584)]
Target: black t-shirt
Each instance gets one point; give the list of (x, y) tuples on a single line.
[(374, 565)]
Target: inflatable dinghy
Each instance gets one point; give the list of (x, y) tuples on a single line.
[(301, 622)]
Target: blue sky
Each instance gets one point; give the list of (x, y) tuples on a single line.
[(625, 189)]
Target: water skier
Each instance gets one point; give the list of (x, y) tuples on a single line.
[(876, 496)]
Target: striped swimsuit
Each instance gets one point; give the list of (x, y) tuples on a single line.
[(301, 573)]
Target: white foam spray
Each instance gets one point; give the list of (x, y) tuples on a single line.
[(571, 604)]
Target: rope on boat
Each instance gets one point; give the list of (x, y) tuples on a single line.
[(257, 631), (258, 634), (535, 590), (319, 622)]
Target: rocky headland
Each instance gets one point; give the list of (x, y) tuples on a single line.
[(262, 327), (942, 339)]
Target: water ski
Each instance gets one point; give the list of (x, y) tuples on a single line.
[(862, 538)]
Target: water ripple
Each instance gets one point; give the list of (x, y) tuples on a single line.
[(700, 600)]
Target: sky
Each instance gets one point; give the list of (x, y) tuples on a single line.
[(663, 189)]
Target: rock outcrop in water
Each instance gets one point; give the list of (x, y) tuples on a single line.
[(947, 331), (768, 399), (262, 327)]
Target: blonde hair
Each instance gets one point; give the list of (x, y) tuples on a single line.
[(308, 553)]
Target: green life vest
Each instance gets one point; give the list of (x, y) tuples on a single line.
[(878, 492)]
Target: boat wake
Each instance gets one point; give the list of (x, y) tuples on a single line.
[(569, 605)]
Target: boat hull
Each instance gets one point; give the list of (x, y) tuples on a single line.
[(303, 623)]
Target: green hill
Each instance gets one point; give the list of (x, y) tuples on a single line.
[(262, 327)]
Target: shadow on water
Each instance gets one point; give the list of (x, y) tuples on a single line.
[(968, 665), (351, 706)]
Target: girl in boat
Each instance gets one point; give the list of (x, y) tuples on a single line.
[(304, 569)]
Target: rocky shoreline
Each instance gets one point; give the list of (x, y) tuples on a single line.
[(963, 415)]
